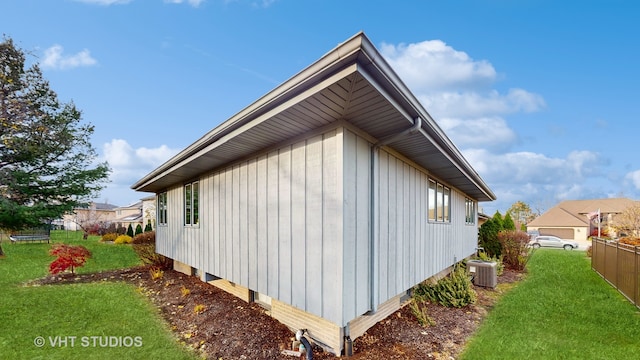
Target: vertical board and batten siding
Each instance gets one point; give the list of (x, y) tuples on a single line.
[(294, 224), (272, 224), (411, 248), (357, 220)]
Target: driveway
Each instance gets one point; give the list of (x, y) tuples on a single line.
[(583, 244)]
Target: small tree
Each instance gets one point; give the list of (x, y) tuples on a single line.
[(507, 223), (138, 229), (68, 257), (130, 230), (497, 218), (488, 237), (148, 227), (515, 249)]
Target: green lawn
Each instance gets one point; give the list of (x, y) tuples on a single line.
[(78, 321), (562, 310)]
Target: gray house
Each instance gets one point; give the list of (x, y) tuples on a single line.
[(326, 200)]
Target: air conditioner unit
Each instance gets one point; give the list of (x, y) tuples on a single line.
[(484, 273)]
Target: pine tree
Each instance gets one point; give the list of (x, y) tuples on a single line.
[(148, 227), (507, 222), (130, 230), (47, 162)]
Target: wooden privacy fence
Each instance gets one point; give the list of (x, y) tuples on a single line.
[(619, 264)]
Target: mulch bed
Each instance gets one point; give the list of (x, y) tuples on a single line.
[(230, 328)]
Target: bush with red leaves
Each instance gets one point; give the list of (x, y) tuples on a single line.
[(68, 256)]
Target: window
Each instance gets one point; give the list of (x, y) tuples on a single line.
[(439, 197), (469, 211), (191, 215), (432, 200), (162, 208)]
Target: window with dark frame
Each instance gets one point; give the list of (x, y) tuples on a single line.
[(470, 211), (439, 198), (162, 208), (191, 211)]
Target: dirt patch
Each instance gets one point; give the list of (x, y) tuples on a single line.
[(219, 325)]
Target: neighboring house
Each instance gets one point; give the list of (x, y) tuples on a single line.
[(138, 213), (326, 200), (570, 219), (129, 215), (149, 211), (93, 213), (482, 218)]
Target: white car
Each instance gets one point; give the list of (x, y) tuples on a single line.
[(552, 241)]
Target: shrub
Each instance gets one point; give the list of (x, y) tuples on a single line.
[(419, 310), (138, 230), (68, 257), (145, 246), (130, 231), (589, 251), (199, 308), (109, 237), (148, 237), (634, 241), (123, 239), (488, 237), (156, 273), (184, 291), (454, 290), (516, 251), (604, 232), (111, 228)]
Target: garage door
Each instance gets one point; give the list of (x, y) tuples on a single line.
[(563, 233)]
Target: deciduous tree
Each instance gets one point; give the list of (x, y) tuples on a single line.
[(628, 221), (521, 214)]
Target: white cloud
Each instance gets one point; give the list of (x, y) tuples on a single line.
[(456, 90), (194, 3), (535, 168), (633, 178), (538, 179), (129, 164), (485, 132), (54, 59), (471, 103), (104, 2), (433, 65)]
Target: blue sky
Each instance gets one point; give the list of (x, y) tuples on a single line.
[(540, 96)]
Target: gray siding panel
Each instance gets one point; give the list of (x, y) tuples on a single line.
[(284, 224), (272, 224), (298, 225), (314, 220), (356, 215), (412, 249)]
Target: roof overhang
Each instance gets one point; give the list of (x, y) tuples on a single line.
[(352, 84)]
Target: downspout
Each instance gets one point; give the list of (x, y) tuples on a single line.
[(373, 212)]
